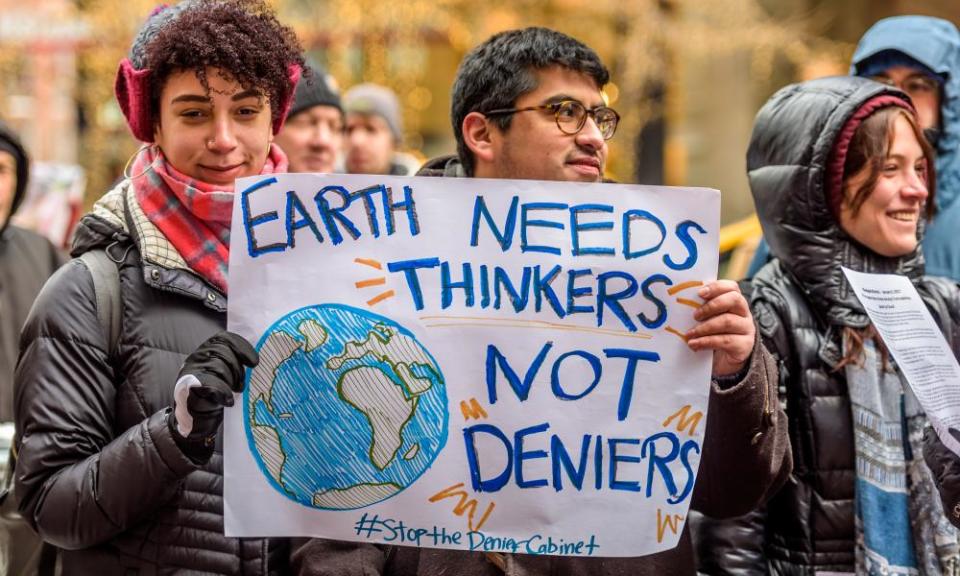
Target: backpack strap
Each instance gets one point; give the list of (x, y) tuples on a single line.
[(106, 287)]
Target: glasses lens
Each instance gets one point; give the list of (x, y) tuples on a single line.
[(570, 116), (607, 120)]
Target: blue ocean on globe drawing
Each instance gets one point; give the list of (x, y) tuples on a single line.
[(345, 409)]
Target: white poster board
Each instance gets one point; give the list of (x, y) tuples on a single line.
[(474, 364)]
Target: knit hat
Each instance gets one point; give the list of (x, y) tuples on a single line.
[(317, 89), (838, 155), (885, 59), (132, 85), (377, 100)]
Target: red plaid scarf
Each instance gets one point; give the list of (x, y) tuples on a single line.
[(193, 216)]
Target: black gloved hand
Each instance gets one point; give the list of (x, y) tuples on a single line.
[(945, 466), (210, 376)]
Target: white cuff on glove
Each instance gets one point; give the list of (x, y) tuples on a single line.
[(181, 393)]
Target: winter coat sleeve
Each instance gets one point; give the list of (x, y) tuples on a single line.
[(81, 481), (746, 450), (945, 466), (730, 547)]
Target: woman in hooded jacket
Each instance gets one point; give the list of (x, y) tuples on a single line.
[(842, 177), (120, 464)]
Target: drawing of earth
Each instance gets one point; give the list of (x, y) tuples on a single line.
[(345, 409)]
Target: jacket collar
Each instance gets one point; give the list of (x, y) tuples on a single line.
[(117, 217), (443, 166)]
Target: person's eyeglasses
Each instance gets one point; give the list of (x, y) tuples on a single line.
[(915, 85), (572, 115)]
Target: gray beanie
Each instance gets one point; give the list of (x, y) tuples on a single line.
[(317, 89), (378, 100)]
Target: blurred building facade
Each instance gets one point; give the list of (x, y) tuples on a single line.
[(39, 45)]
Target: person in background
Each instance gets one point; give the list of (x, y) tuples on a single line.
[(861, 500), (921, 56), (374, 132), (26, 261), (312, 136), (120, 454)]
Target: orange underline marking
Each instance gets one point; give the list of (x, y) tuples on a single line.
[(683, 286), (380, 297), (676, 332), (371, 282), (479, 321), (522, 325), (369, 262), (688, 302)]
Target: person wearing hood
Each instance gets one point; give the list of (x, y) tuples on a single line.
[(26, 261), (841, 176), (120, 449), (921, 56)]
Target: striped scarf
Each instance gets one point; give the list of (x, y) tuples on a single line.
[(901, 528), (194, 216)]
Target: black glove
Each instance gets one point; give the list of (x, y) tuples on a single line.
[(208, 380), (945, 466)]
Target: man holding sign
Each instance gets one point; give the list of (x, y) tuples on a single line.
[(527, 104)]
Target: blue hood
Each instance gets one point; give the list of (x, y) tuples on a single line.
[(935, 43)]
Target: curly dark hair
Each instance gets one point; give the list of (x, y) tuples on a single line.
[(242, 38)]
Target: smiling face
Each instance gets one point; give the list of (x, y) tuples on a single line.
[(886, 221), (216, 137), (533, 146)]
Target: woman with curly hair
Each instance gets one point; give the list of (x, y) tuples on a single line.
[(118, 415)]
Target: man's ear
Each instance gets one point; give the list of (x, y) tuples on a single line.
[(478, 136)]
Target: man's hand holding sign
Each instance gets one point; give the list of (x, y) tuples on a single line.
[(726, 327)]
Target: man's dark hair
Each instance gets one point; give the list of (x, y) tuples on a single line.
[(243, 38), (501, 70)]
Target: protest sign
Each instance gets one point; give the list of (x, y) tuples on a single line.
[(475, 364)]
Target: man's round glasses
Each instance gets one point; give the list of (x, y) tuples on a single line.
[(572, 116)]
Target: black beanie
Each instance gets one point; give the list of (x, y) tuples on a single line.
[(317, 89)]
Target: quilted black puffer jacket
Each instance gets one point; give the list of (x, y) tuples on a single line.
[(99, 475), (802, 302)]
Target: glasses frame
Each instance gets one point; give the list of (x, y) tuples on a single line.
[(555, 107)]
